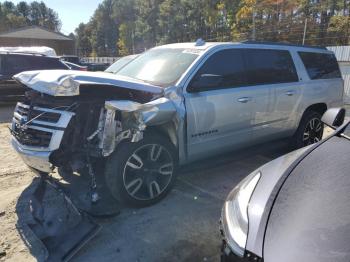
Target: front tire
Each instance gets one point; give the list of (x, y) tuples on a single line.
[(310, 129), (142, 173)]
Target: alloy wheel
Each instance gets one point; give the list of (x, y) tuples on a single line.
[(313, 132), (148, 172)]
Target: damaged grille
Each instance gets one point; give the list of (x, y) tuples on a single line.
[(32, 137), (25, 111), (39, 127)]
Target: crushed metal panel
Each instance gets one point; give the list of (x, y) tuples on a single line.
[(135, 118)]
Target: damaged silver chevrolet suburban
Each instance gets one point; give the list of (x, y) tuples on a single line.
[(172, 105)]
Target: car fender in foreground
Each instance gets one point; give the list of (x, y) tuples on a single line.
[(273, 176)]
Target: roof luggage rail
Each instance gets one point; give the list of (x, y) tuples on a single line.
[(281, 44), (21, 53)]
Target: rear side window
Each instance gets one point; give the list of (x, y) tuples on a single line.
[(265, 66), (227, 63), (48, 63), (320, 66), (18, 63)]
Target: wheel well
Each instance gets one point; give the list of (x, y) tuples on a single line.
[(167, 130), (320, 108)]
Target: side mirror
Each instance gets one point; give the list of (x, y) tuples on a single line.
[(204, 82), (334, 117)]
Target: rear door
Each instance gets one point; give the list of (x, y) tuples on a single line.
[(273, 74), (219, 118)]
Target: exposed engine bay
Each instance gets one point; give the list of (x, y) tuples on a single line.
[(97, 123)]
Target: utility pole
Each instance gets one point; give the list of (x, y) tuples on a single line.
[(305, 27), (254, 29), (133, 42)]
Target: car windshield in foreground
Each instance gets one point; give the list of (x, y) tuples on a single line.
[(163, 66)]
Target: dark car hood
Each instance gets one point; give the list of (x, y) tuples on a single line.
[(310, 220)]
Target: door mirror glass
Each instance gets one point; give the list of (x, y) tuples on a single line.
[(334, 117), (205, 82)]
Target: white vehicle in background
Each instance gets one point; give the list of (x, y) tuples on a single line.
[(172, 105), (39, 50)]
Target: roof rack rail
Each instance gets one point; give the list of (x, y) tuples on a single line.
[(282, 44), (22, 53)]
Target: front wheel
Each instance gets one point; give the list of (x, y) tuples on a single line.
[(310, 129), (142, 173)]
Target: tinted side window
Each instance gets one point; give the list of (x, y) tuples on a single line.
[(227, 63), (16, 63), (265, 66), (43, 63), (320, 66)]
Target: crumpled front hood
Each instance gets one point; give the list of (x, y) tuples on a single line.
[(68, 82)]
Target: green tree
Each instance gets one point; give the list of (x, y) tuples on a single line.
[(36, 13), (121, 27)]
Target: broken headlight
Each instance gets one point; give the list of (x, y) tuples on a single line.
[(235, 213)]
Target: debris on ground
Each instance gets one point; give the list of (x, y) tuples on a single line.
[(2, 253), (57, 223)]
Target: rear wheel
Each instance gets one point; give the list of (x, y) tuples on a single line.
[(310, 129), (142, 173)]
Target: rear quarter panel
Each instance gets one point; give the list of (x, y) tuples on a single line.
[(326, 91)]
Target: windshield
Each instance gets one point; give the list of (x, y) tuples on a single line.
[(161, 67), (117, 65)]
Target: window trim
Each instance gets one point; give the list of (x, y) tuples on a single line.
[(210, 54)]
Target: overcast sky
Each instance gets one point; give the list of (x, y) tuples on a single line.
[(71, 12)]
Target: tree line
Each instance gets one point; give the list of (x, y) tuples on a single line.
[(120, 27), (26, 14)]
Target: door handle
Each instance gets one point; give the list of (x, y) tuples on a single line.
[(244, 99), (290, 93)]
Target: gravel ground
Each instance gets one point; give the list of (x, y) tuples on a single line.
[(183, 227)]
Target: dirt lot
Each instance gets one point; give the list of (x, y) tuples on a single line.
[(183, 227)]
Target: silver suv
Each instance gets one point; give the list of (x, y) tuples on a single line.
[(172, 105)]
